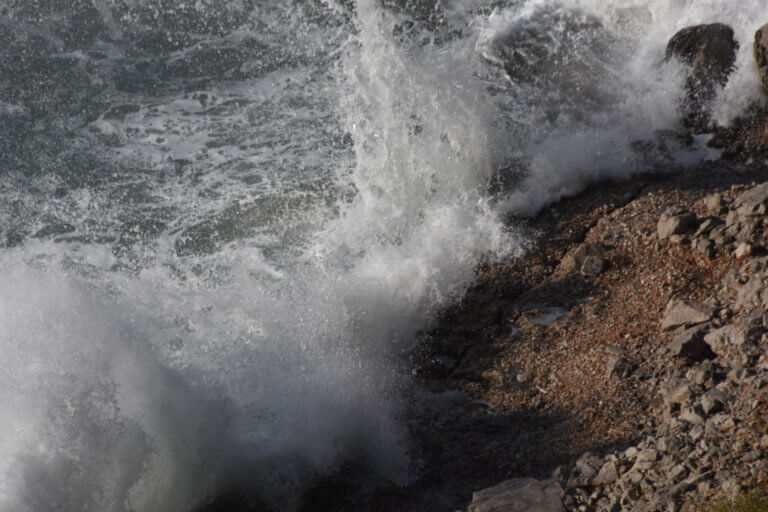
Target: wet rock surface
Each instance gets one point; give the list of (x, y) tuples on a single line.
[(709, 52)]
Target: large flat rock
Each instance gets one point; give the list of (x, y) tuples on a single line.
[(519, 495)]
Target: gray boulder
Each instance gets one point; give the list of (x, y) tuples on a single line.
[(709, 52), (519, 495)]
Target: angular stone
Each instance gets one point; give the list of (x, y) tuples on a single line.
[(676, 221), (691, 415), (731, 335), (608, 474), (585, 471), (574, 260), (748, 202), (593, 266), (713, 401), (743, 249), (690, 344), (714, 204), (685, 313), (705, 246), (519, 495), (619, 367)]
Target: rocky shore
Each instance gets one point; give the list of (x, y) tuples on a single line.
[(622, 363)]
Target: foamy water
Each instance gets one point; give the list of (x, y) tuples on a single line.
[(223, 223)]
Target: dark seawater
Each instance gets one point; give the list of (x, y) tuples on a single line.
[(223, 222)]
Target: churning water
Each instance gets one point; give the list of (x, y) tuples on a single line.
[(223, 221)]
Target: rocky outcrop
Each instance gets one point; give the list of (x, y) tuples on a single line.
[(707, 435), (709, 52)]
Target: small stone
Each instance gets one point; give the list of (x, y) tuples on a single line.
[(685, 313), (743, 249), (619, 367), (675, 221), (748, 202), (713, 401), (593, 266), (690, 344), (706, 247), (677, 472), (575, 259), (714, 204), (691, 415), (608, 474), (585, 471)]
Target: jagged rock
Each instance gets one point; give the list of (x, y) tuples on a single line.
[(752, 294), (646, 459), (692, 415), (585, 471), (681, 313), (709, 51), (593, 266), (744, 249), (620, 367), (690, 344), (608, 474), (760, 52), (734, 334), (715, 204), (676, 392), (707, 225), (519, 495), (705, 246), (675, 221), (713, 401), (575, 260), (749, 201)]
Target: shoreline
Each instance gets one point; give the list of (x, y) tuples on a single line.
[(529, 364)]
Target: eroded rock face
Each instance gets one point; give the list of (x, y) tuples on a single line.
[(760, 52), (709, 51), (519, 495)]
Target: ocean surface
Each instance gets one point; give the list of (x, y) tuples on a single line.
[(222, 222)]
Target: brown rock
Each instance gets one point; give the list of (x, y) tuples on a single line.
[(760, 52), (575, 259), (675, 221), (709, 51)]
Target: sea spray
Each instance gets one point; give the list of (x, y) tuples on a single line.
[(223, 223), (186, 337)]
